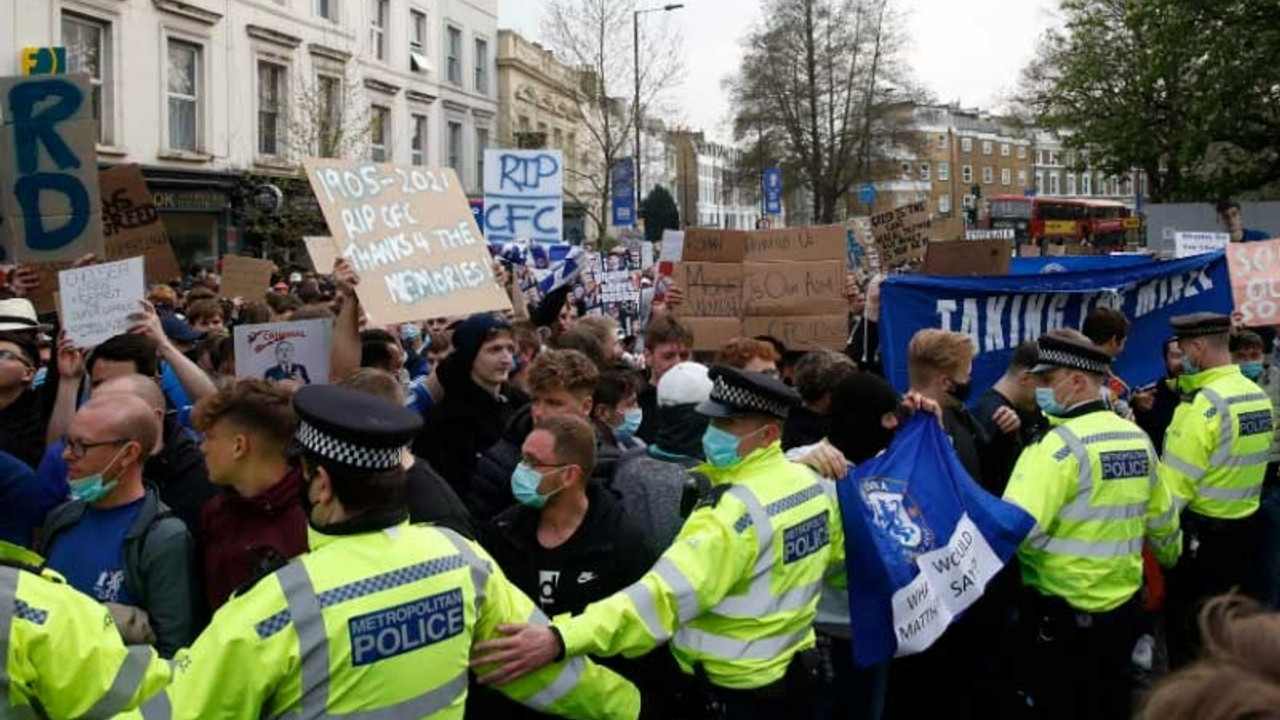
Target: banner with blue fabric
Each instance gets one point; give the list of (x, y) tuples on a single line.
[(1001, 312), (1074, 263), (922, 541)]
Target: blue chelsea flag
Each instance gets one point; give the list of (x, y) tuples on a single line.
[(922, 541)]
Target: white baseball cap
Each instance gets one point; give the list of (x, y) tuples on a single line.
[(20, 314), (684, 384)]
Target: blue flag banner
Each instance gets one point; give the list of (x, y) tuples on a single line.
[(1001, 312), (1074, 263), (922, 541)]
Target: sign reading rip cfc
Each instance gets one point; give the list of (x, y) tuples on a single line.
[(1255, 281), (524, 195)]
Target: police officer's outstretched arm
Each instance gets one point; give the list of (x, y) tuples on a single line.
[(574, 687)]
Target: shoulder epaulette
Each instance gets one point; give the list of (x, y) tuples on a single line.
[(712, 496)]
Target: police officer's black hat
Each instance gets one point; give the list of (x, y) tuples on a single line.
[(354, 429), (1200, 324), (738, 392), (1055, 353)]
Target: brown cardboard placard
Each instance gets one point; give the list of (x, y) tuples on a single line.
[(797, 288), (800, 244), (901, 234), (49, 177), (715, 246), (411, 235), (131, 225), (709, 333), (1029, 251), (323, 253), (1056, 250), (969, 257), (245, 277), (710, 289), (802, 332)]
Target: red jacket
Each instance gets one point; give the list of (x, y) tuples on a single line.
[(244, 536)]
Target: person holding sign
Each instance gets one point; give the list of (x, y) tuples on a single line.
[(1092, 486), (1215, 457)]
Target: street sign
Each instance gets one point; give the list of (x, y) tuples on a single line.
[(867, 194), (1029, 192), (772, 191), (1132, 223), (623, 182)]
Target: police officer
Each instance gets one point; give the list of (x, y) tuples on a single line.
[(1092, 484), (377, 621), (1215, 459), (736, 592), (61, 655)]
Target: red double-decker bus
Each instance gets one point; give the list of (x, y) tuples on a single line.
[(1099, 222)]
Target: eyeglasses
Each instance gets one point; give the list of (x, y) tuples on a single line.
[(77, 449), (12, 356)]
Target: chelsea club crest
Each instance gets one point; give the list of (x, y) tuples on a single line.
[(897, 515)]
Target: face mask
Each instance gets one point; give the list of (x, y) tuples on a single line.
[(1049, 404), (961, 392), (1188, 367), (524, 486), (1252, 370), (631, 420), (93, 488), (720, 447)]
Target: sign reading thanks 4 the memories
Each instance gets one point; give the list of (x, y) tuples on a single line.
[(97, 300), (410, 234)]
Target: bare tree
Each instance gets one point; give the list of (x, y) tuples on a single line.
[(595, 38), (814, 93), (328, 116)]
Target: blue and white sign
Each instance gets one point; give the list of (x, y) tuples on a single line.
[(999, 313), (622, 183), (524, 195), (867, 194), (772, 191), (922, 541)]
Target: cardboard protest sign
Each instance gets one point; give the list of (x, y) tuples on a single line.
[(1187, 244), (523, 195), (323, 253), (901, 234), (49, 169), (131, 225), (711, 289), (969, 257), (717, 246), (1255, 281), (802, 288), (288, 351), (802, 332), (709, 333), (96, 300), (795, 244), (245, 277), (411, 235)]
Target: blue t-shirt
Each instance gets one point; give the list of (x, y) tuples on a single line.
[(1255, 236), (90, 554)]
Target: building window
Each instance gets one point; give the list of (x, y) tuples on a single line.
[(1071, 183), (966, 144), (183, 84), (417, 41), (482, 144), (988, 175), (524, 123), (329, 133), (1006, 176), (378, 28), (559, 143), (1053, 158), (419, 154), (1022, 152), (379, 133), (966, 173), (944, 204), (89, 51), (272, 88), (925, 172), (987, 147), (1086, 184), (453, 61), (1022, 178), (455, 147), (482, 66), (1004, 149), (944, 171), (943, 142), (1053, 183), (905, 171), (327, 9)]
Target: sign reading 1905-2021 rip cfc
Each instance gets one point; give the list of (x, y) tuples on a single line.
[(411, 236)]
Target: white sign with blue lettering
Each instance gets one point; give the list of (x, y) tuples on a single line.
[(524, 195), (393, 631)]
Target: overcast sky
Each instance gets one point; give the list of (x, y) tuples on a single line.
[(971, 50)]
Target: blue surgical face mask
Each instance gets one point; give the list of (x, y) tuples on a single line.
[(524, 486), (1188, 367), (631, 420), (721, 446), (1252, 370), (1048, 403), (93, 488)]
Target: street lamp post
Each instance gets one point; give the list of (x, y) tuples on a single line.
[(635, 106)]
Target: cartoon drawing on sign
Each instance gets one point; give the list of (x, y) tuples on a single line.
[(285, 368), (524, 195), (296, 352)]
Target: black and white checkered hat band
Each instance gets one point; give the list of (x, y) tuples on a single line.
[(341, 451), (743, 399), (1064, 359)]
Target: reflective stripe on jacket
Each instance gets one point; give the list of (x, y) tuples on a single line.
[(1094, 488), (736, 592), (1218, 445), (377, 626)]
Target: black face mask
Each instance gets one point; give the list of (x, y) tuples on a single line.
[(962, 392), (305, 491)]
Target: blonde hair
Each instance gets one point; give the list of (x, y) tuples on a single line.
[(937, 352)]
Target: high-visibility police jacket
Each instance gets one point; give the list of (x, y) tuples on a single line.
[(737, 590), (373, 626), (63, 656), (1093, 486), (1217, 447)]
